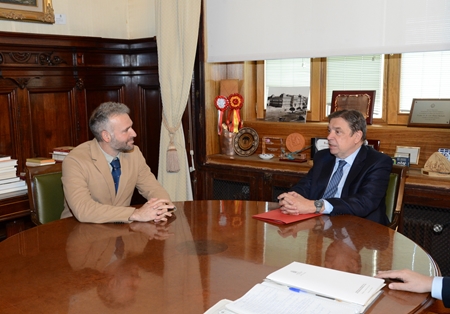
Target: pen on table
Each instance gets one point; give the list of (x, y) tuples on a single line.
[(317, 295), (295, 289)]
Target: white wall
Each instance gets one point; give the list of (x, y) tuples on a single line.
[(122, 19)]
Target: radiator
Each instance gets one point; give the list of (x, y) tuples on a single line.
[(230, 190)]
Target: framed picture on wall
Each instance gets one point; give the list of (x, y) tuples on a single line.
[(361, 100), (431, 113), (40, 11)]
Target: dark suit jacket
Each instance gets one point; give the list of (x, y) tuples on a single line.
[(446, 291), (364, 190)]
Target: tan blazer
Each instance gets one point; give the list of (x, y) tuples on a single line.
[(89, 186)]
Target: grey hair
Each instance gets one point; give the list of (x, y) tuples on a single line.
[(99, 120), (354, 118)]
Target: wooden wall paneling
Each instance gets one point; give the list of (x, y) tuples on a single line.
[(100, 94), (51, 122), (8, 107), (79, 112), (150, 131)]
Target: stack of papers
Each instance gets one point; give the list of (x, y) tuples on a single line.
[(303, 288)]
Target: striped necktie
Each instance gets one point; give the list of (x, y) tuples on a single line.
[(335, 179)]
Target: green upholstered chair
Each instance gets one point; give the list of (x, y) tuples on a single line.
[(394, 196), (45, 193)]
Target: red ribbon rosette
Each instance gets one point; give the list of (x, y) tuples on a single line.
[(222, 104), (236, 102)]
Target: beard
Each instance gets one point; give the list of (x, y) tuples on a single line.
[(122, 146)]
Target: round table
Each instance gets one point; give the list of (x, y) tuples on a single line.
[(209, 250)]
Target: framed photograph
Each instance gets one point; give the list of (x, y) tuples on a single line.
[(287, 104), (27, 11), (411, 152), (432, 113), (361, 100)]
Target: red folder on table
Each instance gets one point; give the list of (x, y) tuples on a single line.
[(277, 217)]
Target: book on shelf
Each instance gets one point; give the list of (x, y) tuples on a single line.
[(11, 185), (10, 180), (7, 169), (275, 216), (63, 149), (39, 161), (59, 156), (4, 157), (10, 173), (8, 163), (304, 288), (59, 153), (14, 189), (13, 194)]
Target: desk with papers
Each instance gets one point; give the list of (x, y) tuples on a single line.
[(210, 250)]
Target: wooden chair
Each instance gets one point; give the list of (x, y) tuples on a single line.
[(45, 193), (394, 196)]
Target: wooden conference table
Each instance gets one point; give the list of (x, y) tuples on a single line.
[(210, 251)]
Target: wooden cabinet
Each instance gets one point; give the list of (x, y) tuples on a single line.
[(49, 86), (234, 183)]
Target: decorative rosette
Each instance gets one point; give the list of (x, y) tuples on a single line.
[(222, 104), (236, 102)]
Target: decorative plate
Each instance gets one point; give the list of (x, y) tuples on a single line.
[(295, 142), (246, 142)]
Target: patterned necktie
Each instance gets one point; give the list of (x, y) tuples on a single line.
[(115, 164), (334, 182)]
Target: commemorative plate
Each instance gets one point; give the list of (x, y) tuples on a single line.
[(246, 142)]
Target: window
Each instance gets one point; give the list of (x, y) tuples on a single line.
[(424, 75), (356, 73), (290, 75)]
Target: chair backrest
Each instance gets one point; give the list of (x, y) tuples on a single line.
[(45, 193), (394, 195)]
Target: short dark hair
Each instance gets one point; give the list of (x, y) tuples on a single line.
[(99, 120), (354, 118)]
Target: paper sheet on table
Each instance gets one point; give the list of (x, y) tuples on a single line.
[(264, 299)]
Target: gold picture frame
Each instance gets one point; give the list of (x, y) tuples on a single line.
[(27, 11), (361, 100)]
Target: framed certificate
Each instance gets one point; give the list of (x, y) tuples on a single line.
[(432, 113), (411, 152)]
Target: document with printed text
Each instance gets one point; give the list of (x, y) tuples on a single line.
[(340, 285), (304, 288)]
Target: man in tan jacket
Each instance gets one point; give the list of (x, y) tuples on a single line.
[(91, 193)]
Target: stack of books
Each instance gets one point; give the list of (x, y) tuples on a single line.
[(39, 161), (10, 184), (59, 153)]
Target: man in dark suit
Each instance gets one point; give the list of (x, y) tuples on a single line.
[(360, 189), (415, 282)]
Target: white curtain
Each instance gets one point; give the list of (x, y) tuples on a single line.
[(177, 23)]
